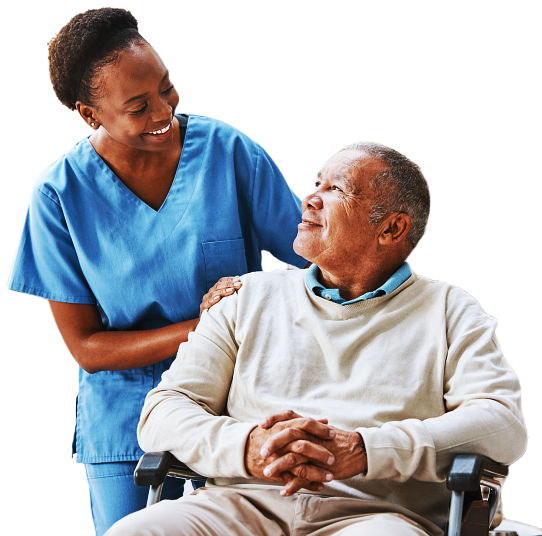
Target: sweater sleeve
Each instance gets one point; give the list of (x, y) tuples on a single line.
[(184, 414), (481, 400)]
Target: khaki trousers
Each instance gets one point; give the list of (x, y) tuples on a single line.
[(220, 511)]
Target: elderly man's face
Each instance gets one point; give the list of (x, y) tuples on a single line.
[(335, 229)]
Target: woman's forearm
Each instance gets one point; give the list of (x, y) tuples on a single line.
[(96, 349), (120, 350)]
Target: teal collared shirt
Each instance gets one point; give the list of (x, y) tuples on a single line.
[(332, 294)]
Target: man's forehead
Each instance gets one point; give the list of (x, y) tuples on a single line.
[(350, 166), (335, 172)]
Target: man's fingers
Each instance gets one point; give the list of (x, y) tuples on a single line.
[(290, 419), (296, 464), (282, 416), (282, 444), (295, 484), (285, 415), (296, 429)]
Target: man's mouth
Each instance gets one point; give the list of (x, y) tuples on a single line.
[(307, 222)]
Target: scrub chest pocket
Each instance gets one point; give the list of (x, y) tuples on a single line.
[(224, 258)]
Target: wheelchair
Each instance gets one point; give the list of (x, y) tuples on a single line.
[(474, 480)]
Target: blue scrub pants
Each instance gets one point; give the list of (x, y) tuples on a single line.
[(114, 495)]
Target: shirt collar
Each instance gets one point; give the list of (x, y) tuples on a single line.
[(333, 294)]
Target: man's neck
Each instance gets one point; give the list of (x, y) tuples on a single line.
[(355, 284)]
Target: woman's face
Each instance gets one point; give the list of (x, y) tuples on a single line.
[(137, 101)]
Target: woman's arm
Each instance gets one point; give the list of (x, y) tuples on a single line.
[(96, 349)]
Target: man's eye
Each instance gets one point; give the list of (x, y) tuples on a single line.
[(169, 90), (317, 183), (337, 188)]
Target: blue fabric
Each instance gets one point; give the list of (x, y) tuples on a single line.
[(89, 239), (108, 480), (333, 294)]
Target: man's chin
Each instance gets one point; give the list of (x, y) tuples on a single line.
[(300, 250)]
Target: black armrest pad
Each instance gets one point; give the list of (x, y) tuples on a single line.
[(467, 471), (153, 468)]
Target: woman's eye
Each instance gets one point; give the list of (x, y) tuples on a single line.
[(140, 110), (317, 183), (337, 188)]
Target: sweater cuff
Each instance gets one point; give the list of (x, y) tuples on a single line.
[(224, 455), (399, 451)]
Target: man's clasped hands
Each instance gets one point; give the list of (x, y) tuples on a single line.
[(302, 452)]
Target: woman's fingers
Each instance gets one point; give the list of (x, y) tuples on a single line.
[(223, 287)]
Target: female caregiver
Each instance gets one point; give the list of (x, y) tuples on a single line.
[(129, 229)]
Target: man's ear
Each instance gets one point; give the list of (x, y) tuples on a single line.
[(394, 228)]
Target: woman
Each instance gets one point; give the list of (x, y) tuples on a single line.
[(127, 231)]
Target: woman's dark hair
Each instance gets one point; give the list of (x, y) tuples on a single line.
[(88, 42)]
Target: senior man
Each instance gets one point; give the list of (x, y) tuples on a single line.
[(386, 375)]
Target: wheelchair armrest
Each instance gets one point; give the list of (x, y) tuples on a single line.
[(473, 477), (469, 470), (153, 467)]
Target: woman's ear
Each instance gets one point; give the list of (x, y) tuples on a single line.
[(88, 114)]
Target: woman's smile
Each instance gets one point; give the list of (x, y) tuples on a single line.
[(162, 133)]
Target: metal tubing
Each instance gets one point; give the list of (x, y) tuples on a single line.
[(456, 511), (154, 494)]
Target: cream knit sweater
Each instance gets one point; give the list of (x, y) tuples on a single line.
[(418, 373)]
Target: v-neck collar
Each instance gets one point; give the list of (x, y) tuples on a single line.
[(126, 191)]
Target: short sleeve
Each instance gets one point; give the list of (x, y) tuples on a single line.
[(46, 263), (276, 211)]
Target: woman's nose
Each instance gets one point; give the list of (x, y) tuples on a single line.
[(162, 111)]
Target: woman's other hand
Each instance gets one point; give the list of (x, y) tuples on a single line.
[(225, 286)]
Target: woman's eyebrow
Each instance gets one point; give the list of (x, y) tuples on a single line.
[(137, 97)]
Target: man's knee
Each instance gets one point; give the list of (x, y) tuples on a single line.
[(128, 526), (158, 520), (217, 513), (379, 524)]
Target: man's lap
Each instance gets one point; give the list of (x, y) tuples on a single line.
[(248, 512)]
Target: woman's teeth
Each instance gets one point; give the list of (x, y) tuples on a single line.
[(164, 130)]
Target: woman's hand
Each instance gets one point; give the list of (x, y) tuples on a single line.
[(225, 286)]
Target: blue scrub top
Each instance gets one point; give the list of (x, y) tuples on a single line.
[(89, 239)]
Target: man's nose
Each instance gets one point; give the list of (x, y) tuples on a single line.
[(312, 200)]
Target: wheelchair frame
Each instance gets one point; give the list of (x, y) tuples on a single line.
[(474, 480)]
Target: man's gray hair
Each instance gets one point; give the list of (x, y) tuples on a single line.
[(401, 187)]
